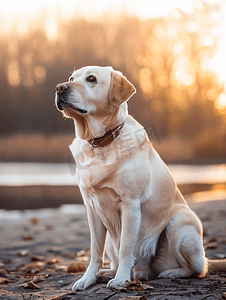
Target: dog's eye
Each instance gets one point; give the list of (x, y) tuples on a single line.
[(71, 78), (91, 78)]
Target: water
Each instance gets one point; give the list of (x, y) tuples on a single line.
[(20, 174), (23, 174), (187, 174)]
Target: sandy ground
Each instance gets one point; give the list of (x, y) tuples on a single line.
[(41, 255)]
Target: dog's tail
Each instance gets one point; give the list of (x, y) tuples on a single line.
[(215, 266)]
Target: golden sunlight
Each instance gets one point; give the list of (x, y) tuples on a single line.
[(24, 11), (21, 16), (173, 51)]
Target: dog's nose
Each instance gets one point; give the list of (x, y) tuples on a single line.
[(61, 87)]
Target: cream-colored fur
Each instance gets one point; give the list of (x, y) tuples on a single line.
[(134, 207)]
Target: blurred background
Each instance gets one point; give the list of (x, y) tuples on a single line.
[(172, 51)]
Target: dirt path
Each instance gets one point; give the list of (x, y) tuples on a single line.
[(38, 256)]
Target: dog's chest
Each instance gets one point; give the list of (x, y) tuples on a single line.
[(106, 204), (102, 199)]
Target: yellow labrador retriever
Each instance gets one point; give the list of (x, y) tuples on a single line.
[(135, 210)]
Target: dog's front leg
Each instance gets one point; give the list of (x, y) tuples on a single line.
[(98, 235), (130, 222)]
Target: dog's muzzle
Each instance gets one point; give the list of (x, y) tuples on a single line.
[(58, 102), (60, 95)]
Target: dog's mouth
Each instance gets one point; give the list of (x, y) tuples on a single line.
[(83, 111), (61, 105)]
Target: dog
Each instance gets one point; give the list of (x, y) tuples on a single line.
[(134, 207)]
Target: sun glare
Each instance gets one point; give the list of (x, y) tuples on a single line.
[(25, 11)]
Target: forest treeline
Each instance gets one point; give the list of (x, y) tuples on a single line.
[(165, 58)]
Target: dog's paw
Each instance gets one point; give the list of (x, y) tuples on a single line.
[(114, 283), (176, 273), (167, 274), (83, 283)]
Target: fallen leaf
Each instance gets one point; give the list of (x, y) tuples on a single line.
[(38, 258), (33, 267), (213, 239), (76, 268), (134, 285), (122, 289), (29, 285), (51, 261), (28, 238), (62, 296), (135, 281), (4, 280), (137, 285), (212, 245), (34, 221), (39, 278)]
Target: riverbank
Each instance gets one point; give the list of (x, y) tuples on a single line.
[(38, 185), (50, 196)]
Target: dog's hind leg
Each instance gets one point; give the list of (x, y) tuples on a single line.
[(109, 248), (184, 254), (191, 259)]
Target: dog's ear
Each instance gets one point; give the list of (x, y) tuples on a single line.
[(120, 90)]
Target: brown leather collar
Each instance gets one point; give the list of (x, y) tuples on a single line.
[(107, 138)]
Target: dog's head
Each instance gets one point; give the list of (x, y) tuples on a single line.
[(93, 93)]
